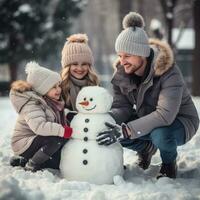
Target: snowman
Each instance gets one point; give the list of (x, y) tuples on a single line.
[(82, 159)]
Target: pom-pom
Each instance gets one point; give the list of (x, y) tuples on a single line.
[(133, 19), (79, 38), (30, 67)]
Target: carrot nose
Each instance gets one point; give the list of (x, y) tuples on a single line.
[(84, 103)]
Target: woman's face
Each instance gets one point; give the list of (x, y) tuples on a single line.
[(79, 70)]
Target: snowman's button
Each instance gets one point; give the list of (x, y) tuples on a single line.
[(87, 120), (85, 129), (85, 139), (85, 150), (85, 162)]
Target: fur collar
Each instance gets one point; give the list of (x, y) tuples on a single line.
[(21, 93), (163, 57), (21, 86)]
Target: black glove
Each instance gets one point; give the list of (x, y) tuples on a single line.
[(70, 115), (110, 136)]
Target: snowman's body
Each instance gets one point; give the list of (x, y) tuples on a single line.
[(82, 159)]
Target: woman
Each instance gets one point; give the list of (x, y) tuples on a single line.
[(77, 69)]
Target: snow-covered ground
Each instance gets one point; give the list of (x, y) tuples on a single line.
[(17, 184)]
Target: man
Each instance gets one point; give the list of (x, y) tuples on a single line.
[(151, 97)]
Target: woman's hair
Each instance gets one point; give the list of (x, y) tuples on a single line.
[(91, 77)]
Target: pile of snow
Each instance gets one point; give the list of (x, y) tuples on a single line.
[(17, 184)]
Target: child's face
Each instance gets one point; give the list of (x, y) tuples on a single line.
[(54, 92), (79, 70)]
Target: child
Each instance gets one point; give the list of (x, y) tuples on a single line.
[(77, 68), (40, 130)]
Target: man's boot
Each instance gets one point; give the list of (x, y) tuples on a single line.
[(168, 170), (34, 164), (144, 156)]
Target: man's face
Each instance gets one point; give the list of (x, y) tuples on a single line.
[(132, 64)]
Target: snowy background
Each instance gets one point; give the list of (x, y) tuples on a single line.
[(17, 184)]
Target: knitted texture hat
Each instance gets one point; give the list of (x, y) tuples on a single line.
[(133, 39), (76, 49), (41, 79)]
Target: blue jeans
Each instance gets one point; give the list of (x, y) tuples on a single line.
[(166, 139)]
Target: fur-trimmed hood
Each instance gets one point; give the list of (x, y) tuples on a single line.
[(21, 86), (21, 93), (163, 57)]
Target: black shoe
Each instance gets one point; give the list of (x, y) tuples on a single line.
[(18, 161), (32, 166), (168, 170), (144, 157)]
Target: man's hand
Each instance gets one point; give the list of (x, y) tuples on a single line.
[(110, 136), (125, 131)]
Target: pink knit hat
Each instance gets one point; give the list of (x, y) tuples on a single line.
[(76, 49)]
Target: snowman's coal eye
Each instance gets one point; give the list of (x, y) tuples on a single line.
[(84, 99), (91, 99)]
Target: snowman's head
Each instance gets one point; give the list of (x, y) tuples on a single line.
[(93, 99)]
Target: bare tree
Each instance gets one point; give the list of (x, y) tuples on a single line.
[(196, 60), (124, 7), (168, 7)]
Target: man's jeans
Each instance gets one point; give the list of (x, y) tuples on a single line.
[(166, 139)]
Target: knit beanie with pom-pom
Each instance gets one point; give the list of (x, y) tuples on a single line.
[(133, 39), (76, 49), (41, 79)]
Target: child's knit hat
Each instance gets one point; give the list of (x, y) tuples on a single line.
[(133, 39), (76, 49), (40, 78)]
